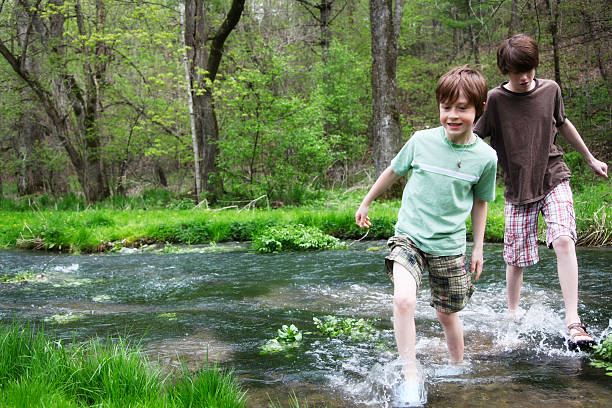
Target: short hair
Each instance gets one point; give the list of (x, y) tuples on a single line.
[(518, 53), (463, 80)]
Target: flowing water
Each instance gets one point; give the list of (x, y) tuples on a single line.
[(224, 303)]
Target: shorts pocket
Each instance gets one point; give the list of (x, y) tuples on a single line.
[(511, 254)]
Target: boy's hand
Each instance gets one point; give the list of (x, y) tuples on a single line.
[(599, 168), (361, 217), (476, 262)]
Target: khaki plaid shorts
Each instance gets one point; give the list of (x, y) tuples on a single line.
[(451, 287)]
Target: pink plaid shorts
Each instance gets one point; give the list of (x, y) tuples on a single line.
[(521, 234)]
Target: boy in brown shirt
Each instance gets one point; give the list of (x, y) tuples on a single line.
[(523, 117)]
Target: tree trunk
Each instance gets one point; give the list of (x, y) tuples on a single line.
[(514, 18), (161, 175), (472, 33), (203, 68), (553, 29), (29, 134), (30, 178), (197, 189), (325, 8), (324, 18), (386, 128), (72, 110), (587, 82)]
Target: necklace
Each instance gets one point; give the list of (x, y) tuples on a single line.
[(463, 149)]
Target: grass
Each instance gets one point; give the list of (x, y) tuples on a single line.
[(156, 217), (36, 371)]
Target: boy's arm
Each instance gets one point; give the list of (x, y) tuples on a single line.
[(569, 132), (479, 219), (384, 181)]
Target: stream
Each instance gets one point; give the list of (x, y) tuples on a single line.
[(222, 303)]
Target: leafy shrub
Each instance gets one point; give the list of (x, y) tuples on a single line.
[(294, 238)]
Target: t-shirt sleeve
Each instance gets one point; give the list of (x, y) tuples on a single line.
[(559, 112), (485, 188), (402, 162)]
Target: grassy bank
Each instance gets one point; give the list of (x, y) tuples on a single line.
[(135, 223), (36, 371)]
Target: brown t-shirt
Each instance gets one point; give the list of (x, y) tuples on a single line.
[(523, 128)]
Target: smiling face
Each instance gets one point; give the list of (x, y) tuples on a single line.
[(457, 119), (521, 81)]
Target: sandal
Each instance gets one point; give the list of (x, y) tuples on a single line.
[(579, 330)]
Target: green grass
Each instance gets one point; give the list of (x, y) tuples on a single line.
[(106, 227), (36, 371)]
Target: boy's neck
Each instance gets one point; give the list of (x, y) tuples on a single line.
[(461, 139), (508, 86)]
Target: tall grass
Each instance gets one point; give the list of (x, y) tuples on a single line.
[(36, 371)]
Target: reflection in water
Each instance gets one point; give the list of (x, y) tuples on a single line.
[(224, 306)]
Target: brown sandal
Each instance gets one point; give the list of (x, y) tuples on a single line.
[(580, 332)]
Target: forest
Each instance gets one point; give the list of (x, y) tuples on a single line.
[(230, 100)]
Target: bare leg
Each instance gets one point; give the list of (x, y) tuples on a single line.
[(404, 306), (567, 268), (514, 281), (453, 331)]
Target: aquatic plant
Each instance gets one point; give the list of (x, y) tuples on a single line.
[(19, 277), (294, 237), (603, 355), (333, 326), (288, 337)]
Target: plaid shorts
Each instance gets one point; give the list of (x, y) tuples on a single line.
[(451, 287), (521, 235)]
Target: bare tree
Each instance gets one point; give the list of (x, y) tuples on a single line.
[(321, 11)]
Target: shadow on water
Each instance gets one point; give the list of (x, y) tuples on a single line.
[(224, 306)]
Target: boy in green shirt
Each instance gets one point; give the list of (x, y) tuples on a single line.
[(453, 175)]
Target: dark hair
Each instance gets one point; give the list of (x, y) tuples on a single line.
[(463, 80), (518, 53)]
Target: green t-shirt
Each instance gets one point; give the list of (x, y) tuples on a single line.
[(439, 194)]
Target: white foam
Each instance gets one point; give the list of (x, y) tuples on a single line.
[(66, 269)]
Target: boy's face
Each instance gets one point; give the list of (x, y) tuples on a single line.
[(457, 119), (521, 81)]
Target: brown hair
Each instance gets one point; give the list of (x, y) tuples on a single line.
[(463, 80), (518, 53)]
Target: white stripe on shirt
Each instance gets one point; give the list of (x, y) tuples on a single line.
[(447, 172)]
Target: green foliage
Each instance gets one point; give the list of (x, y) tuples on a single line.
[(333, 326), (602, 355), (294, 238), (272, 143), (289, 337)]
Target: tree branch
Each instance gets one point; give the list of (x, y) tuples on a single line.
[(216, 48)]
